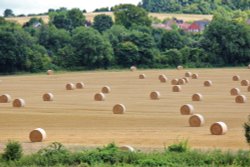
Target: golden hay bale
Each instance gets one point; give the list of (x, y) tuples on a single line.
[(236, 78), (186, 79), (187, 109), (218, 128), (181, 82), (176, 88), (179, 67), (163, 78), (133, 68), (106, 89), (99, 97), (155, 95), (48, 97), (80, 85), (244, 82), (127, 148), (18, 103), (240, 99), (50, 72), (235, 91), (119, 109), (195, 76), (142, 76), (174, 81), (197, 97), (5, 98), (70, 86), (248, 88), (248, 66), (37, 135), (196, 120), (208, 83), (188, 74)]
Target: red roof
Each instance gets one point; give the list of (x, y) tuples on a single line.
[(184, 26), (194, 26)]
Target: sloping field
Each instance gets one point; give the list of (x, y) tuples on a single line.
[(75, 118)]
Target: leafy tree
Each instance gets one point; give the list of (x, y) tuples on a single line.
[(102, 22), (173, 57), (104, 9), (172, 40), (8, 13), (76, 18)]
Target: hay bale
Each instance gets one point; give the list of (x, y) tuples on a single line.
[(163, 78), (197, 97), (133, 68), (235, 91), (244, 82), (188, 74), (176, 88), (142, 76), (179, 67), (37, 135), (174, 81), (236, 78), (248, 88), (18, 103), (155, 95), (5, 98), (50, 72), (48, 97), (181, 82), (240, 99), (186, 79), (196, 120), (195, 76), (80, 85), (119, 109), (70, 86), (208, 83), (127, 148), (248, 66), (99, 97), (187, 109), (106, 89), (218, 128)]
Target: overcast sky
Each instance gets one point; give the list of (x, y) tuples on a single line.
[(41, 6)]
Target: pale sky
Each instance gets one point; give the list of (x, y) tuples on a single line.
[(41, 6)]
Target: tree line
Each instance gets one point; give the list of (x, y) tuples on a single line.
[(70, 42)]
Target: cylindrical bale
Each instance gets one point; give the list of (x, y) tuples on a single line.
[(106, 89), (208, 83), (187, 109), (133, 68), (235, 91), (186, 79), (155, 95), (163, 78), (195, 76), (50, 72), (236, 78), (18, 103), (248, 66), (37, 135), (197, 97), (80, 85), (48, 97), (218, 128), (127, 148), (119, 109), (179, 67), (181, 82), (99, 97), (176, 88), (5, 98), (196, 120), (244, 82), (241, 99), (142, 76), (174, 81), (188, 74), (70, 86), (248, 88)]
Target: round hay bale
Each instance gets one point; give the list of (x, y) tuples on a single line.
[(196, 120), (195, 76), (106, 89), (187, 109), (244, 82), (197, 97), (248, 88), (208, 83), (218, 128), (236, 78), (235, 91), (18, 103), (174, 81), (127, 148), (163, 78), (176, 88), (248, 66), (99, 97), (142, 76), (240, 99), (186, 79), (133, 68), (155, 95), (80, 85), (48, 97), (119, 109), (181, 82), (70, 86), (179, 67), (188, 74), (5, 98), (37, 135), (50, 72)]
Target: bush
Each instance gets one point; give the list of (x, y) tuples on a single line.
[(247, 131), (182, 146), (13, 151)]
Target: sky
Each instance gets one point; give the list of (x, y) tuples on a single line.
[(42, 6)]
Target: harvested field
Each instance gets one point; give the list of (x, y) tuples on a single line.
[(74, 118)]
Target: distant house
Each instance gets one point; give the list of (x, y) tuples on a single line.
[(184, 26), (37, 25), (202, 24), (248, 21), (194, 28), (163, 26)]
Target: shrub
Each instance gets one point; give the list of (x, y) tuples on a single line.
[(13, 151), (247, 131), (182, 146)]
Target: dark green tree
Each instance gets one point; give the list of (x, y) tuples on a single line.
[(102, 22), (172, 40), (8, 13)]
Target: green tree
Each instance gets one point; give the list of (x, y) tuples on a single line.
[(13, 151), (8, 13), (172, 40), (102, 22)]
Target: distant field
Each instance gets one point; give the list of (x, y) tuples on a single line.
[(90, 17), (74, 118)]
